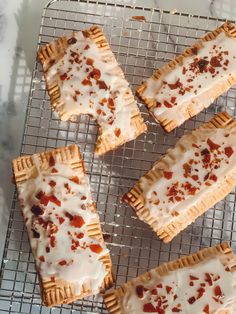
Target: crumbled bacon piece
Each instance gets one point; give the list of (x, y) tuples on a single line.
[(168, 174), (86, 82), (77, 221), (61, 220), (68, 215), (89, 61), (208, 279), (158, 104), (41, 258), (195, 177), (86, 47), (51, 161), (102, 85), (213, 177), (168, 289), (191, 300), (202, 64), (96, 74), (63, 77), (215, 62), (62, 262), (54, 170), (200, 292), (72, 41), (96, 248), (52, 183), (111, 104), (149, 308), (167, 104), (37, 210), (80, 235), (75, 179), (212, 145), (206, 309), (173, 99), (218, 291), (47, 249), (52, 241), (36, 235), (117, 132), (193, 277), (176, 310), (228, 151)]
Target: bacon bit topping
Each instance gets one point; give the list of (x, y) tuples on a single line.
[(176, 310), (228, 151), (77, 221), (72, 41), (61, 220), (62, 262), (86, 47), (96, 248), (111, 104), (35, 234), (195, 177), (63, 77), (117, 132), (89, 61), (37, 210), (96, 74), (187, 170), (68, 215), (218, 291), (184, 71), (83, 198), (47, 249), (149, 308), (173, 99), (227, 268), (175, 85), (75, 179), (167, 104), (191, 300), (52, 241), (168, 289), (212, 145), (41, 258), (158, 104), (193, 277), (86, 82), (200, 292), (213, 177), (208, 279), (52, 183), (102, 85), (202, 64), (51, 161), (80, 235), (215, 62), (206, 309), (159, 285), (168, 174)]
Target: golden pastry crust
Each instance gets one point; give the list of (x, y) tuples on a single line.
[(136, 198), (53, 52), (169, 124), (57, 291), (113, 299)]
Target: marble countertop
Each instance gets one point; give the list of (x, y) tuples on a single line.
[(19, 25)]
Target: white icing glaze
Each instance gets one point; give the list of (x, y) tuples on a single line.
[(108, 106), (60, 242), (161, 198), (172, 101), (179, 288)]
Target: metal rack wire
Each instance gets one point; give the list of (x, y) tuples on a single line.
[(140, 47)]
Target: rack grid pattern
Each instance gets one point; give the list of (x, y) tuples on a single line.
[(140, 47)]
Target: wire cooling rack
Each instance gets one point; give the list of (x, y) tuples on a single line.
[(140, 47)]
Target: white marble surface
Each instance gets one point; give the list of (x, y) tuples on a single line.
[(19, 25)]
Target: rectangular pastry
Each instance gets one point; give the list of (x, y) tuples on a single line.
[(83, 77), (190, 178), (71, 257), (193, 80), (204, 282)]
